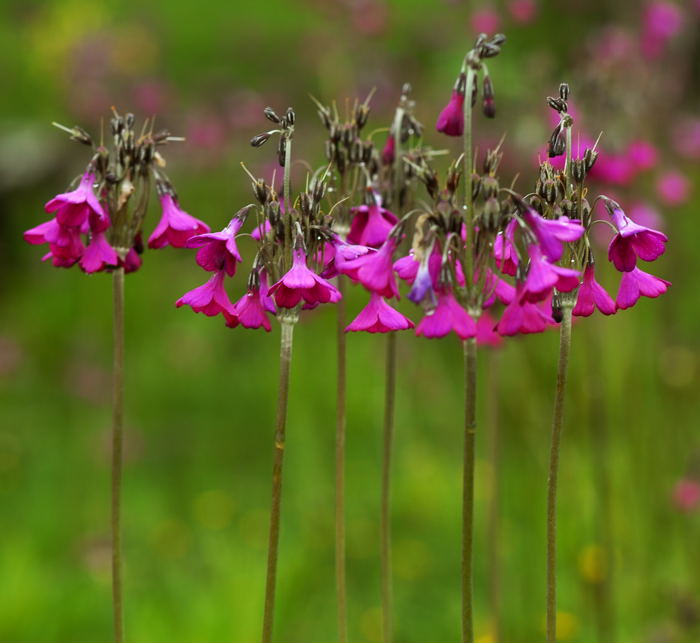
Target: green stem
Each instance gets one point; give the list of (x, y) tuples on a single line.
[(390, 392), (558, 417), (287, 327), (468, 490), (340, 425), (117, 450), (494, 508)]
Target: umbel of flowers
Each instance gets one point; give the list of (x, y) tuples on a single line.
[(98, 225), (567, 263)]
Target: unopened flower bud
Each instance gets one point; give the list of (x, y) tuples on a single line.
[(489, 187), (260, 139), (261, 191), (491, 215), (589, 159), (290, 117), (564, 91), (361, 116), (271, 115), (489, 102)]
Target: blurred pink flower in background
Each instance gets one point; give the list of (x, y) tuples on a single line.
[(641, 155), (673, 188), (686, 138), (485, 20), (522, 11), (661, 21), (686, 494), (150, 97)]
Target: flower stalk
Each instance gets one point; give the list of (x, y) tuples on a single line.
[(387, 453), (117, 449), (287, 332), (558, 417)]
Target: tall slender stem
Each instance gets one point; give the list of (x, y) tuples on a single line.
[(467, 161), (468, 490), (493, 520), (117, 450), (390, 393), (558, 417), (287, 327), (340, 425)]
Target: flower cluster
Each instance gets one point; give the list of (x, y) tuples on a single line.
[(93, 225)]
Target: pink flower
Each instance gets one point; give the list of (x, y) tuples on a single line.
[(485, 21), (592, 295), (98, 254), (132, 262), (542, 276), (379, 317), (673, 188), (447, 317), (374, 270), (218, 250), (686, 138), (662, 21), (641, 155), (302, 283), (389, 151), (260, 231), (251, 310), (485, 333), (637, 283), (451, 119), (686, 494), (523, 317), (342, 253), (210, 298), (632, 240), (553, 233), (371, 225), (65, 245), (522, 11), (613, 169), (73, 208), (175, 226)]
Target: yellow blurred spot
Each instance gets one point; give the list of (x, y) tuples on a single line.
[(593, 564), (171, 539), (411, 559), (213, 509), (371, 624), (567, 626), (134, 50), (486, 638)]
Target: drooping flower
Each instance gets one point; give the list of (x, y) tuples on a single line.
[(73, 208), (300, 282), (175, 227), (523, 317), (218, 250), (451, 119), (485, 333), (370, 225), (379, 317), (342, 253), (375, 271), (260, 231), (542, 276), (553, 233), (632, 241), (426, 276), (210, 298), (592, 295), (98, 254), (637, 283), (251, 310), (448, 316)]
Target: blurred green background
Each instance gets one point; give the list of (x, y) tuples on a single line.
[(201, 398)]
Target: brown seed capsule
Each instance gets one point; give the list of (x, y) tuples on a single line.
[(564, 91), (589, 159), (489, 187), (476, 185), (361, 116), (355, 152), (578, 170), (491, 215), (261, 191)]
